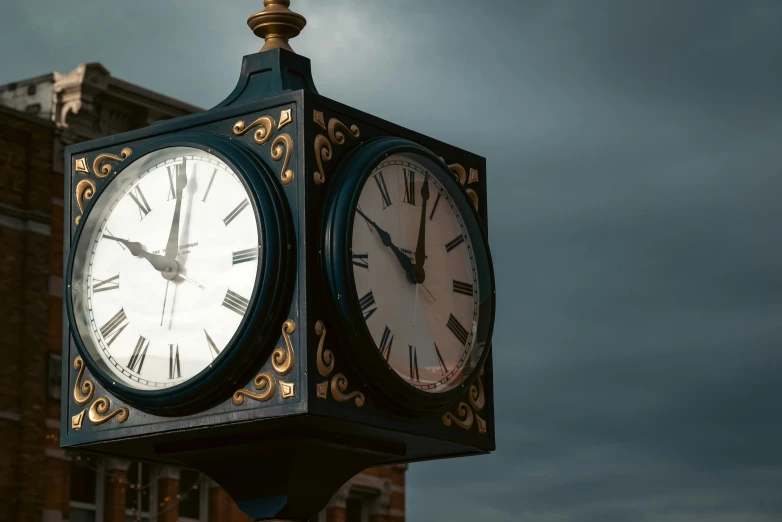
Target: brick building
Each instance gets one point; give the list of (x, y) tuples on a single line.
[(38, 480)]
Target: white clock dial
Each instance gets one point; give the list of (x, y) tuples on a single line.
[(423, 324), (168, 279)]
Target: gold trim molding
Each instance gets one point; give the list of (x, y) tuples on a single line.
[(101, 169), (339, 383), (82, 391), (99, 412), (466, 414), (338, 134)]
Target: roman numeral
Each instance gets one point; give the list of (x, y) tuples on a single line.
[(381, 184), (235, 302), (114, 326), (409, 196), (457, 329), (174, 371), (462, 288), (212, 345), (235, 212), (139, 354), (385, 343), (454, 243), (440, 358), (172, 172), (367, 304), (107, 232), (141, 201), (243, 256), (361, 260), (434, 207), (111, 283), (414, 364), (208, 187)]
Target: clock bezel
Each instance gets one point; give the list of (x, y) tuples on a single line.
[(336, 265), (273, 285)]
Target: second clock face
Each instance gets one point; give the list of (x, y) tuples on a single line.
[(421, 312), (171, 268)]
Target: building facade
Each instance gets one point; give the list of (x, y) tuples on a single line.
[(39, 481)]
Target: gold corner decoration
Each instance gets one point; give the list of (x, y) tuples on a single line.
[(262, 135), (82, 391), (481, 424), (325, 357), (283, 143), (338, 130), (287, 389), (473, 176), (317, 117), (323, 152), (77, 420), (473, 197), (101, 169), (339, 385), (99, 412), (476, 395), (465, 417), (286, 117), (85, 189), (81, 166), (264, 382), (325, 362), (282, 360), (459, 173)]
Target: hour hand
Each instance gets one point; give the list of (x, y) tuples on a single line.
[(385, 237), (159, 263)]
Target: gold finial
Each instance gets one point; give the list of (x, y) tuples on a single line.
[(276, 24)]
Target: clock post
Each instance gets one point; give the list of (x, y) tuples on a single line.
[(278, 292)]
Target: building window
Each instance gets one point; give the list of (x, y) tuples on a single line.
[(354, 510), (31, 89), (33, 109), (138, 493), (190, 496), (86, 489)]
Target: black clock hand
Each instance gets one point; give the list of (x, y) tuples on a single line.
[(420, 249), (385, 237), (159, 263), (172, 247)]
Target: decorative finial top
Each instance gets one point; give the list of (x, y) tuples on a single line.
[(276, 24)]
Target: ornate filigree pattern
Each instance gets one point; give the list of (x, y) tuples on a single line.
[(99, 412), (338, 134), (464, 419), (82, 391), (262, 135), (465, 416), (282, 360), (85, 189), (263, 382), (283, 144), (101, 169), (339, 383), (460, 174)]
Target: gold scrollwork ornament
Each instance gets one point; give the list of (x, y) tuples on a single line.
[(85, 189), (323, 152), (262, 135), (283, 143), (476, 395), (101, 169), (99, 412), (282, 360), (82, 391), (325, 357), (339, 385), (464, 419), (264, 382), (338, 130)]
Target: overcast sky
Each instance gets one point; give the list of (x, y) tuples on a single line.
[(635, 175)]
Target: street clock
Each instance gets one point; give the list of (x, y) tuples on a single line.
[(278, 292)]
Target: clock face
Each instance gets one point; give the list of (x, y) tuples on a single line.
[(169, 266), (416, 275)]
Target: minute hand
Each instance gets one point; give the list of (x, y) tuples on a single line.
[(385, 237), (172, 247)]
